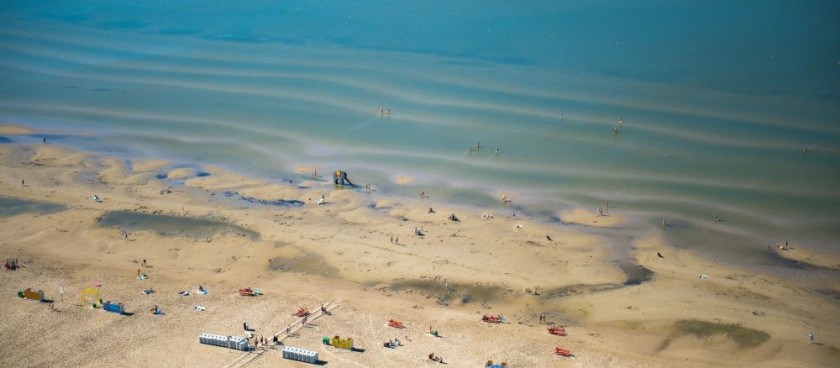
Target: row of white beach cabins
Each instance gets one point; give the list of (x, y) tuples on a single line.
[(230, 342), (239, 343)]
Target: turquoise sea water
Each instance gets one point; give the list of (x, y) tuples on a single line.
[(716, 101)]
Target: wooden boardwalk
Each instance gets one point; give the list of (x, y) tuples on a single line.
[(248, 357)]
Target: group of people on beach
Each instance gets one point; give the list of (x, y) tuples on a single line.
[(10, 264), (258, 341), (393, 343)]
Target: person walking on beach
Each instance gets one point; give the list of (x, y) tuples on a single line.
[(811, 337)]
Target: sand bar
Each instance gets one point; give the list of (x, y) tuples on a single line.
[(368, 258)]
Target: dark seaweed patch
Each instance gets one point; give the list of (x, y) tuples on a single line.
[(277, 202), (15, 206), (168, 225), (636, 274), (445, 292), (743, 336), (834, 294), (577, 290), (308, 263)]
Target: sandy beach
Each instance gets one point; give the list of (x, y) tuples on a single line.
[(370, 261)]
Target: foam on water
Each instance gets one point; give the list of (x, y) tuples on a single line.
[(714, 114)]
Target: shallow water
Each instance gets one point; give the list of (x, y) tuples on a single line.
[(167, 225), (17, 206), (715, 102)]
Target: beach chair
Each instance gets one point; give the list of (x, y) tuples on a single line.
[(491, 318), (557, 330), (563, 352)]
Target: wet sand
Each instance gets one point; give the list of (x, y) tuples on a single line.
[(651, 311)]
